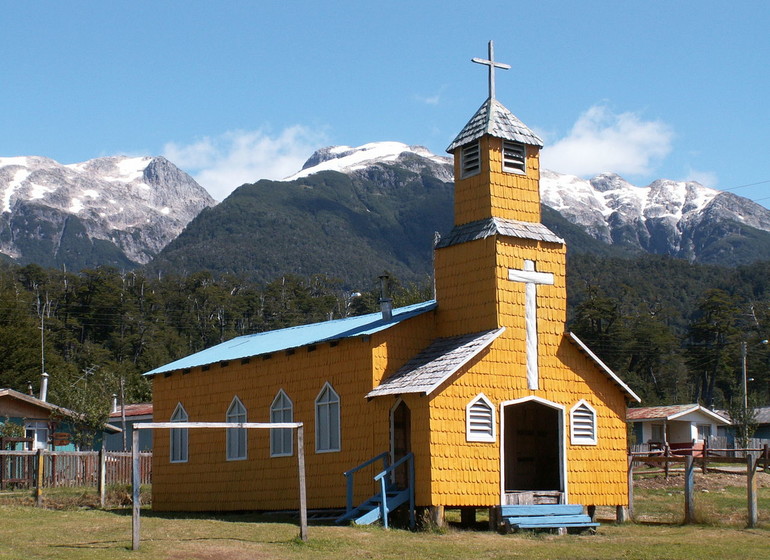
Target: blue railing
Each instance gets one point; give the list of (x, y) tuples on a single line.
[(349, 475), (383, 477)]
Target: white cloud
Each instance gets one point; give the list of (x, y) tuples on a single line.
[(603, 141), (223, 163), (705, 178)]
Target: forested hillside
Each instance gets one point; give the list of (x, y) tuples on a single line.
[(671, 329)]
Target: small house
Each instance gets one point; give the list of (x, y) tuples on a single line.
[(125, 417), (680, 426), (482, 387), (47, 425)]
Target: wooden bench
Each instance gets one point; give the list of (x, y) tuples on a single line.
[(546, 516)]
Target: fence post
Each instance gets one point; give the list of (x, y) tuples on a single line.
[(630, 487), (137, 482), (766, 454), (666, 454), (705, 455), (689, 490), (302, 491), (751, 488), (102, 477), (39, 478)]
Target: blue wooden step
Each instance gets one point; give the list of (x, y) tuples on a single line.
[(546, 516), (369, 511)]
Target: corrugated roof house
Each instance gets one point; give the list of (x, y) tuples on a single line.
[(678, 425), (496, 402)]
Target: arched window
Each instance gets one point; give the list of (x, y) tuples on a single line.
[(583, 424), (327, 420), (282, 410), (179, 436), (236, 437), (480, 419)]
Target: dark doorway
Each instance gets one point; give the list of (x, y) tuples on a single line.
[(401, 422), (532, 447)]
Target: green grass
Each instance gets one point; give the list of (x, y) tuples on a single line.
[(77, 530)]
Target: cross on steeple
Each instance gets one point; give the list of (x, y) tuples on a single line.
[(492, 65)]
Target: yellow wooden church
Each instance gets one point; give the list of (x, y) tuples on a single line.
[(482, 389)]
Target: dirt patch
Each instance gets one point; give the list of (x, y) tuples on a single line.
[(712, 481)]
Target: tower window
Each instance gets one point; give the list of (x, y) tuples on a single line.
[(514, 157), (470, 160)]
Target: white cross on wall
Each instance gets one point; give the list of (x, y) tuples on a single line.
[(531, 279), (492, 65)]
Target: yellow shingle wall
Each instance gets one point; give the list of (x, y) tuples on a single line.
[(492, 192), (209, 482), (468, 473), (465, 287)]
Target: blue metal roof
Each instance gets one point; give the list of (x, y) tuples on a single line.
[(294, 337)]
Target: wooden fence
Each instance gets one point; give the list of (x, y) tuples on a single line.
[(753, 459), (18, 469)]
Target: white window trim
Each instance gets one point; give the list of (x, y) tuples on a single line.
[(237, 432), (278, 432), (510, 169), (179, 415), (463, 160), (331, 448), (480, 437), (578, 439), (40, 433)]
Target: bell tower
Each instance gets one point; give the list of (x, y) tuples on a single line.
[(497, 162), (499, 266)]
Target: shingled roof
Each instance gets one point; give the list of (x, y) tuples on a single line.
[(481, 229), (494, 119), (435, 364)]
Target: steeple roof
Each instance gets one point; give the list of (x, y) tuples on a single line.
[(494, 119)]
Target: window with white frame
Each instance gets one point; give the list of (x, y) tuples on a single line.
[(178, 436), (37, 431), (583, 424), (282, 410), (327, 420), (470, 160), (236, 437), (514, 157), (480, 419)]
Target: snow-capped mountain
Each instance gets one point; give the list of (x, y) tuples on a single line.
[(677, 218), (345, 159), (665, 217), (112, 210)]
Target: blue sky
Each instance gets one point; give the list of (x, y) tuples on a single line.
[(238, 91)]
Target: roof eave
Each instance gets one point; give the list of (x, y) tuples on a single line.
[(611, 374)]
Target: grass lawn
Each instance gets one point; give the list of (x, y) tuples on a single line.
[(70, 527)]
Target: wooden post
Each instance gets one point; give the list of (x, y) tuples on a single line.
[(751, 489), (102, 477), (621, 514), (630, 489), (591, 511), (136, 481), (667, 454), (39, 479), (689, 490), (437, 516), (705, 455), (467, 516), (302, 492), (494, 524), (766, 455)]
